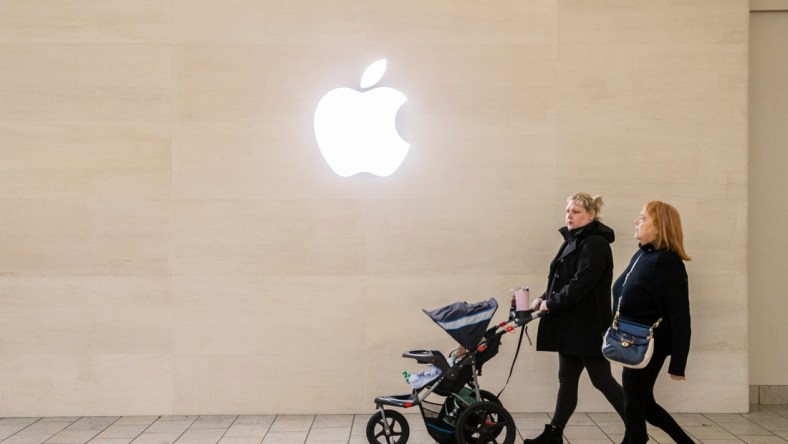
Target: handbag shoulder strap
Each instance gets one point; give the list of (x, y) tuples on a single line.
[(618, 310)]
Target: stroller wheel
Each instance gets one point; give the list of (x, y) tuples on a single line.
[(488, 396), (398, 429), (485, 422)]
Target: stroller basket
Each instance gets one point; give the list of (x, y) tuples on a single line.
[(440, 426)]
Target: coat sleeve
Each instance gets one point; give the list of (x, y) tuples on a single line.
[(675, 298), (594, 258)]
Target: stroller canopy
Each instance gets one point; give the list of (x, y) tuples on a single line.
[(465, 322)]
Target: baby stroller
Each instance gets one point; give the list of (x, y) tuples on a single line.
[(458, 410)]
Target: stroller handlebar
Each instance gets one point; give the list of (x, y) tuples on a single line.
[(517, 318), (522, 317)]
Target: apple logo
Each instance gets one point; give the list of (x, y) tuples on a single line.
[(355, 130)]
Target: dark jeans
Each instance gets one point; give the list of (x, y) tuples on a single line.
[(640, 406), (569, 370)]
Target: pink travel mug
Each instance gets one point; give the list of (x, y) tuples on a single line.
[(521, 299)]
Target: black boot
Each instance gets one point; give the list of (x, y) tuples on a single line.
[(550, 435)]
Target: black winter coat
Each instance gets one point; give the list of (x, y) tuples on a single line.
[(578, 293), (654, 285)]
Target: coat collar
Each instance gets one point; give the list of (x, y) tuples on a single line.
[(647, 248), (571, 237)]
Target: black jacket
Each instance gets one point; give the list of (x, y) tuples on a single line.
[(578, 293), (657, 287)]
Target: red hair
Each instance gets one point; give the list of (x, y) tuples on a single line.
[(668, 224)]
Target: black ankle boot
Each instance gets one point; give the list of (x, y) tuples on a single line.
[(550, 435)]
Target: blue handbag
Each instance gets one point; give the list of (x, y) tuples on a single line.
[(629, 343)]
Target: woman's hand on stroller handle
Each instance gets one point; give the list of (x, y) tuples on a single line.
[(522, 317), (539, 304)]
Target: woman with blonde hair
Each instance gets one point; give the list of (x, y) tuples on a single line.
[(577, 311), (654, 290)]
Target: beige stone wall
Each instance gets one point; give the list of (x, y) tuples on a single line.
[(172, 241), (768, 156)]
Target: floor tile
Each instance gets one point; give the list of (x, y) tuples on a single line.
[(415, 422), (246, 440), (267, 419), (360, 440), (762, 439), (122, 431), (248, 431), (213, 422), (709, 432), (580, 419), (109, 441), (156, 438), (722, 441), (320, 434), (201, 436), (21, 423), (773, 423), (26, 439), (781, 409), (759, 412), (69, 436), (583, 432), (333, 421), (535, 423), (285, 438), (136, 420), (611, 427), (604, 417), (45, 428), (692, 419), (292, 423), (169, 427), (657, 435), (93, 423), (605, 440), (359, 427), (744, 428), (7, 430), (726, 417)]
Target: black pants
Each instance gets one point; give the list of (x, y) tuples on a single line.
[(640, 406), (569, 370)]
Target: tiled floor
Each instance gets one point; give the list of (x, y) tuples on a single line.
[(762, 425)]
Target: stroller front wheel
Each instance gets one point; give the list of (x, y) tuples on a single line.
[(393, 429), (484, 423)]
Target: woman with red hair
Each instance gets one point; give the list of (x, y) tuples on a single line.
[(654, 290)]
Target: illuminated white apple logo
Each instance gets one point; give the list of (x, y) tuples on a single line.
[(355, 130)]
